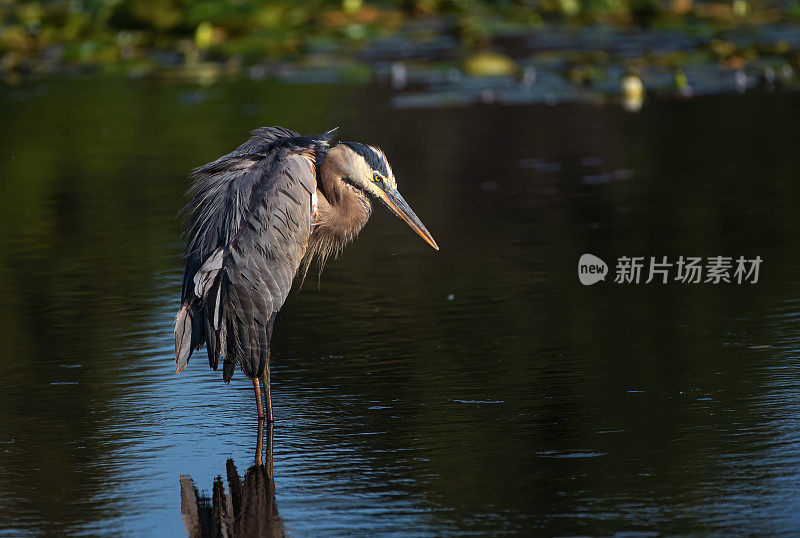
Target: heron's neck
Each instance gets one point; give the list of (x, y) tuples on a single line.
[(343, 210)]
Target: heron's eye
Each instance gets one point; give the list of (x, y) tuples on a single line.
[(376, 177)]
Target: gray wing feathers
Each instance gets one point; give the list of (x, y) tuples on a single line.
[(261, 261), (189, 322), (207, 274), (221, 195), (183, 337), (250, 218)]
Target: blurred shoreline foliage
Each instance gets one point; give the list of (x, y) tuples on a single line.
[(359, 41)]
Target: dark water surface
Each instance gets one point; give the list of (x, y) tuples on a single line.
[(480, 389)]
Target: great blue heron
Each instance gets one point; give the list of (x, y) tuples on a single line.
[(256, 215)]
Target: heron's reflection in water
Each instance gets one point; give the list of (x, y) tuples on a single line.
[(247, 509)]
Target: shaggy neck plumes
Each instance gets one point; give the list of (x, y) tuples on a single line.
[(343, 210)]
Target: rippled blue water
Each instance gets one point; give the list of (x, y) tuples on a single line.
[(479, 390)]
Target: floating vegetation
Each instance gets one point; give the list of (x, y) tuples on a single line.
[(432, 54)]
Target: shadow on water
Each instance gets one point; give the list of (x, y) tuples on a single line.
[(247, 509)]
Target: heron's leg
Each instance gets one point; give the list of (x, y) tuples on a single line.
[(257, 389), (267, 392), (260, 442), (265, 374)]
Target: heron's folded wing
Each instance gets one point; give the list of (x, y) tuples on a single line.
[(227, 195), (260, 262), (221, 196)]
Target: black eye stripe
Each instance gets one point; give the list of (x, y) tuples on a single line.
[(371, 156)]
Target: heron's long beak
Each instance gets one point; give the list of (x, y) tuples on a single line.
[(401, 208)]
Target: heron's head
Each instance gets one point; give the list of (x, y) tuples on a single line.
[(367, 169)]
